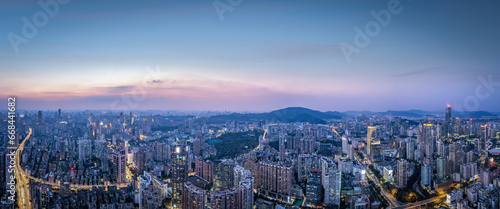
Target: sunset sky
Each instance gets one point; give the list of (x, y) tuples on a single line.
[(263, 55)]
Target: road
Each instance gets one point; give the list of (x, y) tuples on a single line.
[(388, 196), (417, 204), (22, 184), (394, 204), (23, 179)]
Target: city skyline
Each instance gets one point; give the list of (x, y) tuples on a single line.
[(260, 56)]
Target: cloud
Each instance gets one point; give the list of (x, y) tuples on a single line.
[(156, 81), (419, 72)]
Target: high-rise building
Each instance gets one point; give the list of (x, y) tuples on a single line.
[(465, 171), (140, 161), (426, 174), (224, 199), (440, 148), (331, 181), (441, 168), (345, 145), (410, 149), (40, 117), (307, 145), (44, 197), (455, 126), (223, 175), (483, 139), (119, 165), (447, 128), (84, 149), (371, 134), (161, 151), (313, 188), (402, 177), (486, 176), (179, 174), (275, 179), (196, 146), (204, 169), (306, 162), (429, 137), (282, 143), (245, 193), (193, 197)]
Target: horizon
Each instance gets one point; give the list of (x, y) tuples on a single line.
[(243, 111)]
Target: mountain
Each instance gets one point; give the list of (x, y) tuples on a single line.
[(286, 115), (300, 114)]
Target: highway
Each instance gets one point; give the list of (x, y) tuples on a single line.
[(23, 179), (22, 184), (420, 203)]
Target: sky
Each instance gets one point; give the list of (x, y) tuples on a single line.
[(250, 55)]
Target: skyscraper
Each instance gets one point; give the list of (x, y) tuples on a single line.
[(429, 138), (179, 173), (410, 149), (282, 142), (402, 177), (313, 188), (40, 118), (426, 174), (245, 193), (224, 175), (196, 146), (447, 128), (306, 162), (345, 145), (441, 168), (485, 176), (84, 149), (483, 139), (331, 180), (370, 137), (140, 161), (119, 165)]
